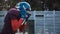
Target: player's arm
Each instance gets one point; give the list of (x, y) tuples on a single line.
[(16, 23)]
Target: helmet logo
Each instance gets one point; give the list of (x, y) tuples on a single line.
[(24, 7)]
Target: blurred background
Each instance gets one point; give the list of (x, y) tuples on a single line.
[(35, 4), (45, 18)]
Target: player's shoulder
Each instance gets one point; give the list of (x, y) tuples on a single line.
[(13, 11)]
